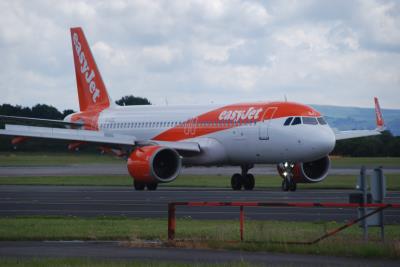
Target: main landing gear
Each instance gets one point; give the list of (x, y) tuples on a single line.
[(245, 180), (288, 183), (141, 186)]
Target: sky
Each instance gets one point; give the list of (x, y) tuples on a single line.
[(200, 52)]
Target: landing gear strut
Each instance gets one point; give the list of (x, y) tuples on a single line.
[(245, 180), (141, 186), (288, 183)]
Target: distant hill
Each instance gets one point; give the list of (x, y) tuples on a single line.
[(351, 118)]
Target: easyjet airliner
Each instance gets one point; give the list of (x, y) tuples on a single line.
[(158, 141)]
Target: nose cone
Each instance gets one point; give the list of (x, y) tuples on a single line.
[(323, 142)]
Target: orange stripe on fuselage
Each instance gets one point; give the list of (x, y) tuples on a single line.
[(233, 116)]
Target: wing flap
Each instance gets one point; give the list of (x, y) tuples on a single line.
[(67, 134)]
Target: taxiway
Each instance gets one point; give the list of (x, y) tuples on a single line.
[(88, 201)]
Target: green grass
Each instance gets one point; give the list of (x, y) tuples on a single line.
[(208, 233), (346, 162), (216, 181), (38, 158), (106, 263)]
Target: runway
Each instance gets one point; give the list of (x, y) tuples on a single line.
[(113, 250), (120, 169), (88, 201)]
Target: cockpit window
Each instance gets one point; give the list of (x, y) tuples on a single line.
[(288, 121), (296, 121), (310, 120), (321, 121)]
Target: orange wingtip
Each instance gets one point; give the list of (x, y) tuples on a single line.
[(378, 113)]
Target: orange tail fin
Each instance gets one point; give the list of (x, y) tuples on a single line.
[(91, 89)]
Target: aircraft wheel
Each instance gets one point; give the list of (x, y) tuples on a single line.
[(292, 186), (152, 186), (249, 182), (236, 181), (285, 185), (138, 186)]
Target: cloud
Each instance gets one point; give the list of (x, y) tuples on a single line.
[(197, 52)]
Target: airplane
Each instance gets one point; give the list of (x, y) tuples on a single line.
[(159, 140)]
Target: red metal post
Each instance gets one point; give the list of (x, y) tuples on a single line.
[(171, 221), (241, 222)]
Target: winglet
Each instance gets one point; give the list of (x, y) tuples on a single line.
[(380, 124)]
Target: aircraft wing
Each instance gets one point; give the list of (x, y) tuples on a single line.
[(90, 137), (342, 135), (380, 127), (37, 121), (67, 134), (179, 146)]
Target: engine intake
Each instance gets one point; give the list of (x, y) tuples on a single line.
[(154, 164), (309, 172)]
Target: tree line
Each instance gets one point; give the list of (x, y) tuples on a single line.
[(49, 112), (384, 145)]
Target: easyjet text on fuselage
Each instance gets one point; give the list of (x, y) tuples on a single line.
[(236, 115)]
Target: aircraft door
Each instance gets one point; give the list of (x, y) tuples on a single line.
[(264, 124)]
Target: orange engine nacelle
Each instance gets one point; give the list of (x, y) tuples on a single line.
[(309, 172), (154, 164)]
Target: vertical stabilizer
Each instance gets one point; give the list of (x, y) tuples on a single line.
[(91, 89)]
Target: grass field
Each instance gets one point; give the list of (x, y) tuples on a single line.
[(259, 235), (262, 181), (29, 158), (346, 162), (107, 263)]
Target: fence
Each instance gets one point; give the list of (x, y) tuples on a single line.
[(379, 207)]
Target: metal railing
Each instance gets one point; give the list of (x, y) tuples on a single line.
[(379, 207)]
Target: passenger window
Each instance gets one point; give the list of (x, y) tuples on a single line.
[(321, 121), (288, 121), (296, 121), (310, 120)]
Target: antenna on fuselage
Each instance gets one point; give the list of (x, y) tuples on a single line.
[(166, 101), (285, 97)]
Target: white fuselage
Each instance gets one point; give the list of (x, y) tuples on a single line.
[(229, 142)]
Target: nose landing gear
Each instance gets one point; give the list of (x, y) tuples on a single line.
[(245, 180), (288, 183)]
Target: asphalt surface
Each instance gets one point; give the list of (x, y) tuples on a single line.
[(124, 201), (90, 201), (120, 169), (117, 251)]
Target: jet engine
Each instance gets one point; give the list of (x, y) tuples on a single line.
[(308, 172), (154, 164)]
